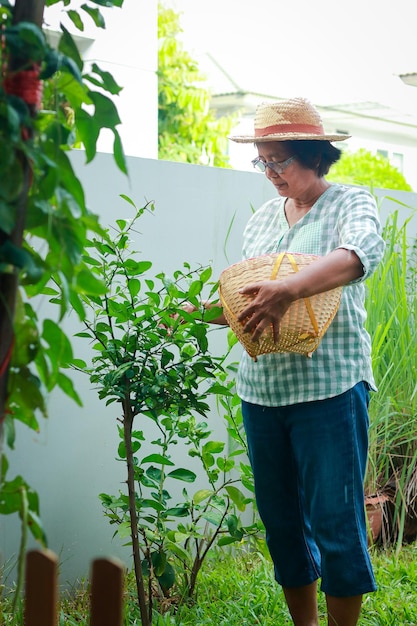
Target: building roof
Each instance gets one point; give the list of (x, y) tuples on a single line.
[(393, 116)]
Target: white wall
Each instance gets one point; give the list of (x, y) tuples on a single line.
[(71, 460)]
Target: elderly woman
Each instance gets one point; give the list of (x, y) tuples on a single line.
[(306, 419)]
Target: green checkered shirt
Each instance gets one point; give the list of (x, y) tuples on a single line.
[(343, 217)]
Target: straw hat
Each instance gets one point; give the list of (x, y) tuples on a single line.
[(292, 119)]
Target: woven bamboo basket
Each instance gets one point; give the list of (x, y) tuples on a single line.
[(306, 320)]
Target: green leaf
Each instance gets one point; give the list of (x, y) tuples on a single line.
[(157, 458), (154, 473), (69, 83), (67, 386), (105, 114), (177, 511), (183, 474), (176, 549), (13, 255), (206, 274), (133, 268), (11, 182), (60, 349), (76, 19), (121, 450), (118, 153), (225, 465), (195, 288), (159, 561), (237, 497), (129, 200), (70, 180), (200, 333), (227, 540), (50, 64), (95, 15), (26, 41), (69, 48), (36, 528), (233, 527), (147, 503), (167, 578), (220, 389), (124, 530), (213, 447), (88, 131), (90, 284), (166, 357), (108, 82), (202, 495), (213, 518), (108, 3), (26, 397), (133, 284), (232, 340)]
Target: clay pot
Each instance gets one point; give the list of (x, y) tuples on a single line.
[(374, 506)]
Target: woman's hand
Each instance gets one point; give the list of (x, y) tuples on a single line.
[(270, 301), (272, 298)]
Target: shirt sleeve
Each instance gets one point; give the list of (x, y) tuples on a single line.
[(360, 229)]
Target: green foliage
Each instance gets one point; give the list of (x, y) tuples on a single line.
[(152, 359), (364, 168), (187, 128), (42, 202), (392, 323)]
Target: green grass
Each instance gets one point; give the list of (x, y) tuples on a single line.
[(241, 591)]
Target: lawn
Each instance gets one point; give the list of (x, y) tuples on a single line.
[(240, 591)]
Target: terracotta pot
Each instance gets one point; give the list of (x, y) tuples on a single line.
[(374, 506)]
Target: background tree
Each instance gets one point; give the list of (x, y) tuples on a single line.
[(364, 168), (188, 130)]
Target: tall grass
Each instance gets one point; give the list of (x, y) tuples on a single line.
[(392, 322)]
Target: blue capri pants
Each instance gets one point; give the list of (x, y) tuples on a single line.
[(309, 464)]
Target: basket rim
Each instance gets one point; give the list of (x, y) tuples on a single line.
[(271, 254)]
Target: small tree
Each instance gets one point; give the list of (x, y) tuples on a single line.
[(188, 129), (152, 359)]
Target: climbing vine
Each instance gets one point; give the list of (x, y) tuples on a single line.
[(44, 219)]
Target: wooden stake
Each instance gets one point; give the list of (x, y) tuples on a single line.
[(41, 596), (107, 593)]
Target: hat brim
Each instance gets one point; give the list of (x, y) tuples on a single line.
[(287, 137)]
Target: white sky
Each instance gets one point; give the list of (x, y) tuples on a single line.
[(331, 51)]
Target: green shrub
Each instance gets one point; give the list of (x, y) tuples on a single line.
[(364, 168)]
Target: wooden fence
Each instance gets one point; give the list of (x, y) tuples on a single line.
[(41, 591)]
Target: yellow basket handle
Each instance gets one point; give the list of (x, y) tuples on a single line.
[(293, 262)]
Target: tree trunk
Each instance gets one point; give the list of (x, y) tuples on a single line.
[(29, 11), (145, 607)]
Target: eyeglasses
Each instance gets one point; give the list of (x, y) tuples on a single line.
[(278, 167)]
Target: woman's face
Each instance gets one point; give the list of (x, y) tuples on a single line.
[(296, 180)]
